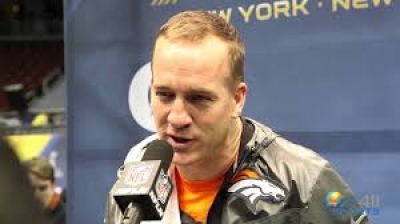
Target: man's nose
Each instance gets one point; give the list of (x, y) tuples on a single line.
[(178, 116)]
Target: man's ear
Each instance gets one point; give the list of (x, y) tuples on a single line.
[(240, 98)]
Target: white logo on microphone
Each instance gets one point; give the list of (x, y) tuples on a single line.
[(139, 100)]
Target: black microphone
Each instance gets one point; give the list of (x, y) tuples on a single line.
[(144, 188)]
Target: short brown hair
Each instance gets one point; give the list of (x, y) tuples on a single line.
[(196, 25), (41, 168)]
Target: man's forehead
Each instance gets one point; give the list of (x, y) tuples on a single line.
[(210, 87), (167, 47)]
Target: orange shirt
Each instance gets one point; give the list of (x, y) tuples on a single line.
[(54, 201), (196, 197), (245, 174)]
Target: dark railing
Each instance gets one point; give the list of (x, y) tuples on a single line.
[(31, 130), (56, 116), (17, 30)]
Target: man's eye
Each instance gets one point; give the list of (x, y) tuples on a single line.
[(41, 188), (199, 99), (165, 96)]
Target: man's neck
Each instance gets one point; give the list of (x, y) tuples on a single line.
[(219, 163)]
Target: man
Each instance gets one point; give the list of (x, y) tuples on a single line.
[(228, 168), (41, 175)]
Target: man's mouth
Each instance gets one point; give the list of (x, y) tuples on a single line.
[(180, 140)]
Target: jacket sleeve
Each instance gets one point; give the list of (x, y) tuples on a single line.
[(319, 209), (113, 214), (332, 201)]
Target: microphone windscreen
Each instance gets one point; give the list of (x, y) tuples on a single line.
[(159, 150)]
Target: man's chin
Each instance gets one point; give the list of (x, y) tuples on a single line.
[(182, 159)]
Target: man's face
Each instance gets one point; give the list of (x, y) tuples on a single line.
[(192, 106), (44, 189)]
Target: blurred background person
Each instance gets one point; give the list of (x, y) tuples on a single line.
[(42, 176), (17, 204)]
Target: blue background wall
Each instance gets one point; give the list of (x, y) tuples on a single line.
[(325, 78)]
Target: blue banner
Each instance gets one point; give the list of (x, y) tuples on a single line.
[(323, 73)]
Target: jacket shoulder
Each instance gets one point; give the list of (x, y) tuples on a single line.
[(291, 162)]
